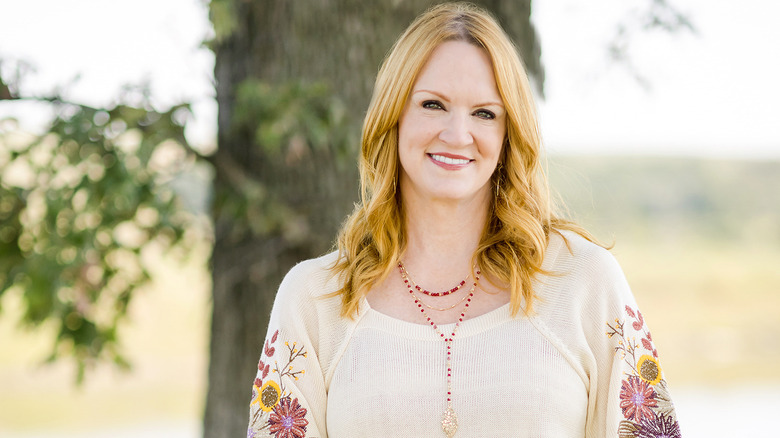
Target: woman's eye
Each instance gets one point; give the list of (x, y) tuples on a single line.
[(431, 104), (485, 114)]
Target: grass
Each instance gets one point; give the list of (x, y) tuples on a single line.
[(714, 309)]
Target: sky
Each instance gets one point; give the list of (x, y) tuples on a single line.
[(711, 93)]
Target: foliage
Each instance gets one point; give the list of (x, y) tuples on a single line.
[(286, 124), (293, 114), (223, 18), (81, 203), (78, 206)]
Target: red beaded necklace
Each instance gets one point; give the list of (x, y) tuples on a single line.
[(408, 280), (449, 421)]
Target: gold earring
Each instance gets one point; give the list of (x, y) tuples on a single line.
[(498, 179)]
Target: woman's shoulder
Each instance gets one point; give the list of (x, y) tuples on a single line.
[(309, 290), (308, 308), (313, 277), (579, 273), (581, 290), (570, 252)]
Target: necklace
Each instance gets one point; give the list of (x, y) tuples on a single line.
[(408, 280), (439, 309), (449, 421)]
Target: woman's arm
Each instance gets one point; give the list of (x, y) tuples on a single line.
[(288, 395), (629, 395)]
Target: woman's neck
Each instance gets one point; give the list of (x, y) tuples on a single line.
[(442, 237)]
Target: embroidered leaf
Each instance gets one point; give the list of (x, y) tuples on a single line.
[(647, 344), (630, 312), (266, 370), (269, 350), (276, 335), (260, 365)]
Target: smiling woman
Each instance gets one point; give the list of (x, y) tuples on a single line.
[(458, 302)]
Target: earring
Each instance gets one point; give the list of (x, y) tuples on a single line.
[(498, 179)]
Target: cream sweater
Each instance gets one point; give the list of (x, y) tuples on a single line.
[(583, 365)]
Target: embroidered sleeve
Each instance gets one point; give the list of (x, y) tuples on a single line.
[(639, 402), (628, 396), (275, 409), (288, 393)]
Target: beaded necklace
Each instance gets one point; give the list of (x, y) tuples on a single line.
[(449, 421), (409, 282)]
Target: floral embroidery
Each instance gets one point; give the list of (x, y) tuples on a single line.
[(649, 369), (636, 399), (273, 410), (644, 398), (659, 426), (628, 347), (287, 419), (269, 395)]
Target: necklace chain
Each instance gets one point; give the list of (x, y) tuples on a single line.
[(439, 309), (405, 277), (449, 421), (409, 282)]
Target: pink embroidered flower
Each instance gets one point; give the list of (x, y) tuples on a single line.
[(637, 398), (288, 419)]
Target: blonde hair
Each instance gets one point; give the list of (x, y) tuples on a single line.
[(520, 218)]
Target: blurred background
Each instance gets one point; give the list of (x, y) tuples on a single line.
[(142, 235)]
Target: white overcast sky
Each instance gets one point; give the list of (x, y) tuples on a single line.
[(714, 93)]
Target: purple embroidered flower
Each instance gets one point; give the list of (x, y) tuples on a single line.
[(659, 426), (637, 398), (288, 419), (250, 433)]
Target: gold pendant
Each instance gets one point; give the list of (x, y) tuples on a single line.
[(449, 422)]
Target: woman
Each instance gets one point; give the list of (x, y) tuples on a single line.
[(457, 303)]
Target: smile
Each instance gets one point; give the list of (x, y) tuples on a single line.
[(448, 160)]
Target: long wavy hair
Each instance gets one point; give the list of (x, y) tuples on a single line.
[(520, 217)]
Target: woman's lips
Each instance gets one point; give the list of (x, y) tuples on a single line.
[(449, 162)]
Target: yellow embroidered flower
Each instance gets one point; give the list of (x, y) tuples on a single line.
[(255, 394), (269, 395), (649, 369)]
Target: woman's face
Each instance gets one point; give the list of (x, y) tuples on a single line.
[(452, 128)]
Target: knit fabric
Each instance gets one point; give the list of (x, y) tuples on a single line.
[(583, 365)]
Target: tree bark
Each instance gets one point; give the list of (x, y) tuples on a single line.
[(340, 42)]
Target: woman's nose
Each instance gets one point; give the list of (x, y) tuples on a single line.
[(457, 131)]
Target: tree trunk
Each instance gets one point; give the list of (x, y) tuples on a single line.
[(340, 42)]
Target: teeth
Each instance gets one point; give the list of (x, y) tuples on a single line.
[(448, 160)]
